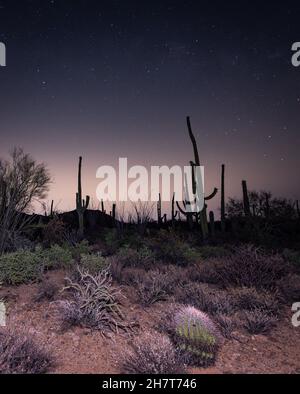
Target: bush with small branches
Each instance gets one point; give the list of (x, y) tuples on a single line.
[(250, 266), (226, 325), (289, 286), (152, 287), (152, 353), (46, 291), (204, 298), (249, 298), (20, 353), (259, 321)]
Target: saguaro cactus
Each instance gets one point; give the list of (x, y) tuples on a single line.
[(246, 202), (113, 213), (212, 224), (201, 215), (174, 214), (223, 223), (159, 217), (81, 205), (51, 209)]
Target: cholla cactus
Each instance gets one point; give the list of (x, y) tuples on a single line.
[(197, 335)]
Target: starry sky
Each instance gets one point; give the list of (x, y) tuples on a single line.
[(116, 78)]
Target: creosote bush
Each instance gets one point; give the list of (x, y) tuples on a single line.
[(20, 353), (94, 304), (258, 321), (152, 353)]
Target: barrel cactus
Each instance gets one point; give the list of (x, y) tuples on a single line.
[(196, 335)]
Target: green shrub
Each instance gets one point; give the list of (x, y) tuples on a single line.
[(170, 248), (57, 257), (208, 251), (20, 267), (93, 263), (142, 257), (80, 249)]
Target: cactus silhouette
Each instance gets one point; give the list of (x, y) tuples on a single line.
[(81, 205), (223, 223), (199, 215), (246, 202)]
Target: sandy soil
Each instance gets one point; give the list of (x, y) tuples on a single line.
[(81, 350)]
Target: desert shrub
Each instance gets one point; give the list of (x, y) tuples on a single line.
[(204, 298), (258, 321), (54, 232), (170, 248), (95, 303), (226, 325), (292, 256), (18, 242), (152, 288), (57, 257), (20, 353), (152, 353), (112, 240), (289, 286), (142, 257), (248, 298), (205, 272), (251, 267), (208, 251), (93, 262), (196, 336), (20, 267), (79, 249), (116, 269), (46, 291)]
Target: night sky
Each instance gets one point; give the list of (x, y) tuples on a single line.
[(110, 79)]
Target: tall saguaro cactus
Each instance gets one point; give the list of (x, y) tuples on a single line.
[(81, 205), (223, 224), (159, 216), (246, 202), (201, 215)]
